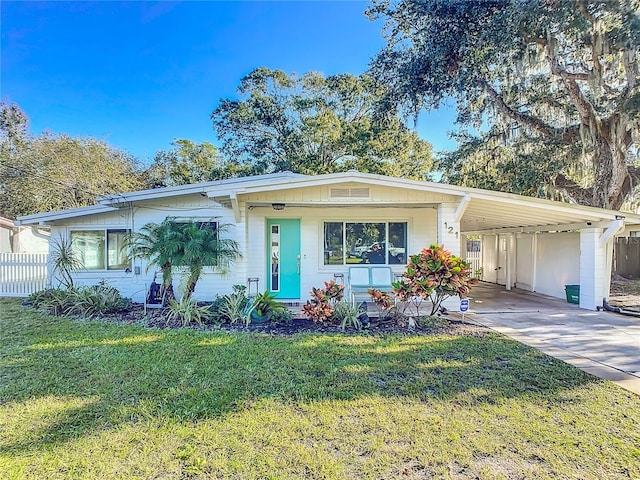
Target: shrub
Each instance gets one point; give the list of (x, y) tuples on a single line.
[(348, 314), (321, 305), (383, 300), (233, 306), (187, 311), (434, 274), (99, 299), (216, 316), (52, 300), (284, 317)]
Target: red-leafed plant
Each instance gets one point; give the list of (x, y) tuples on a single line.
[(383, 300), (320, 307), (434, 274)]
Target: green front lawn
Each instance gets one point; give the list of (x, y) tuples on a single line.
[(86, 399)]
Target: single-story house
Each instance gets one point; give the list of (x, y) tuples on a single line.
[(296, 231)]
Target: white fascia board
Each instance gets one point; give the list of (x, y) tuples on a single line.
[(209, 188), (47, 217), (462, 207), (593, 213), (7, 223), (368, 179), (235, 207)]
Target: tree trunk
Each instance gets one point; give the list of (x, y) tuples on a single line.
[(167, 283), (613, 181), (168, 292), (194, 276)]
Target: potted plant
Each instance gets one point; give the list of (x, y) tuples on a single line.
[(261, 307)]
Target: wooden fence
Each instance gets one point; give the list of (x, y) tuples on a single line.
[(22, 273), (627, 257)]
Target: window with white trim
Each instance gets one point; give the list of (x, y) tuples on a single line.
[(348, 243), (101, 249)]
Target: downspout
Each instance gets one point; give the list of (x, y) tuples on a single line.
[(606, 241), (13, 239), (621, 311), (45, 235)]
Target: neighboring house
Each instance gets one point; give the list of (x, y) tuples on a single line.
[(296, 231), (15, 239)]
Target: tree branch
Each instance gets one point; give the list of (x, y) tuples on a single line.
[(634, 173), (597, 66), (580, 195), (631, 70), (580, 101), (541, 41), (565, 134)]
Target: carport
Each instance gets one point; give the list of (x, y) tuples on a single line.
[(541, 245), (603, 344)]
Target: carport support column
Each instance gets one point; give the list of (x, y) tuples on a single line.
[(592, 268), (449, 227), (449, 235)]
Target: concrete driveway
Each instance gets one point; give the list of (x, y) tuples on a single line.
[(603, 344)]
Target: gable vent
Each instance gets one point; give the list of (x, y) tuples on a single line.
[(362, 192)]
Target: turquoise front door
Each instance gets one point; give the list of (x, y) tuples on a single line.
[(283, 257)]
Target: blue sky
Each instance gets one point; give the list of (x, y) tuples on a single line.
[(140, 74)]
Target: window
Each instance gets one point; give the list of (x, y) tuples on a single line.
[(373, 243), (101, 249)]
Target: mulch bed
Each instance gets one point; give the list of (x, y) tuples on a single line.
[(625, 293), (442, 325)]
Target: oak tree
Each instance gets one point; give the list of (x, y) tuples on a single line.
[(552, 85), (314, 124), (52, 172)]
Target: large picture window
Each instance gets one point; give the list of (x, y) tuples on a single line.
[(383, 243), (101, 249)]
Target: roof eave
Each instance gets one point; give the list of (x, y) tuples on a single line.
[(44, 218)]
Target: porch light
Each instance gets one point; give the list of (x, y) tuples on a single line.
[(278, 206)]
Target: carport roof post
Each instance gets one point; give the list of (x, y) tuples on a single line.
[(449, 227), (594, 271)]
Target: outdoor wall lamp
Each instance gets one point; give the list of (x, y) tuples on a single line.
[(277, 206)]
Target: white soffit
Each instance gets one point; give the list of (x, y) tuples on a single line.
[(488, 215)]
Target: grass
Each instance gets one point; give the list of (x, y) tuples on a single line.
[(86, 399)]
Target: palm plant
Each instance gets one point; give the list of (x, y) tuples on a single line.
[(202, 246), (64, 261), (160, 244)]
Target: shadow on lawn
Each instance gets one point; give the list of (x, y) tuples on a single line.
[(134, 374)]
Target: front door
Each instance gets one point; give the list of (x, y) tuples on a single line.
[(490, 258), (502, 259), (283, 257)]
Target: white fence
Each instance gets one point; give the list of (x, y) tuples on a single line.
[(22, 273), (474, 256)]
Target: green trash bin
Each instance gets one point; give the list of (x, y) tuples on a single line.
[(573, 293)]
